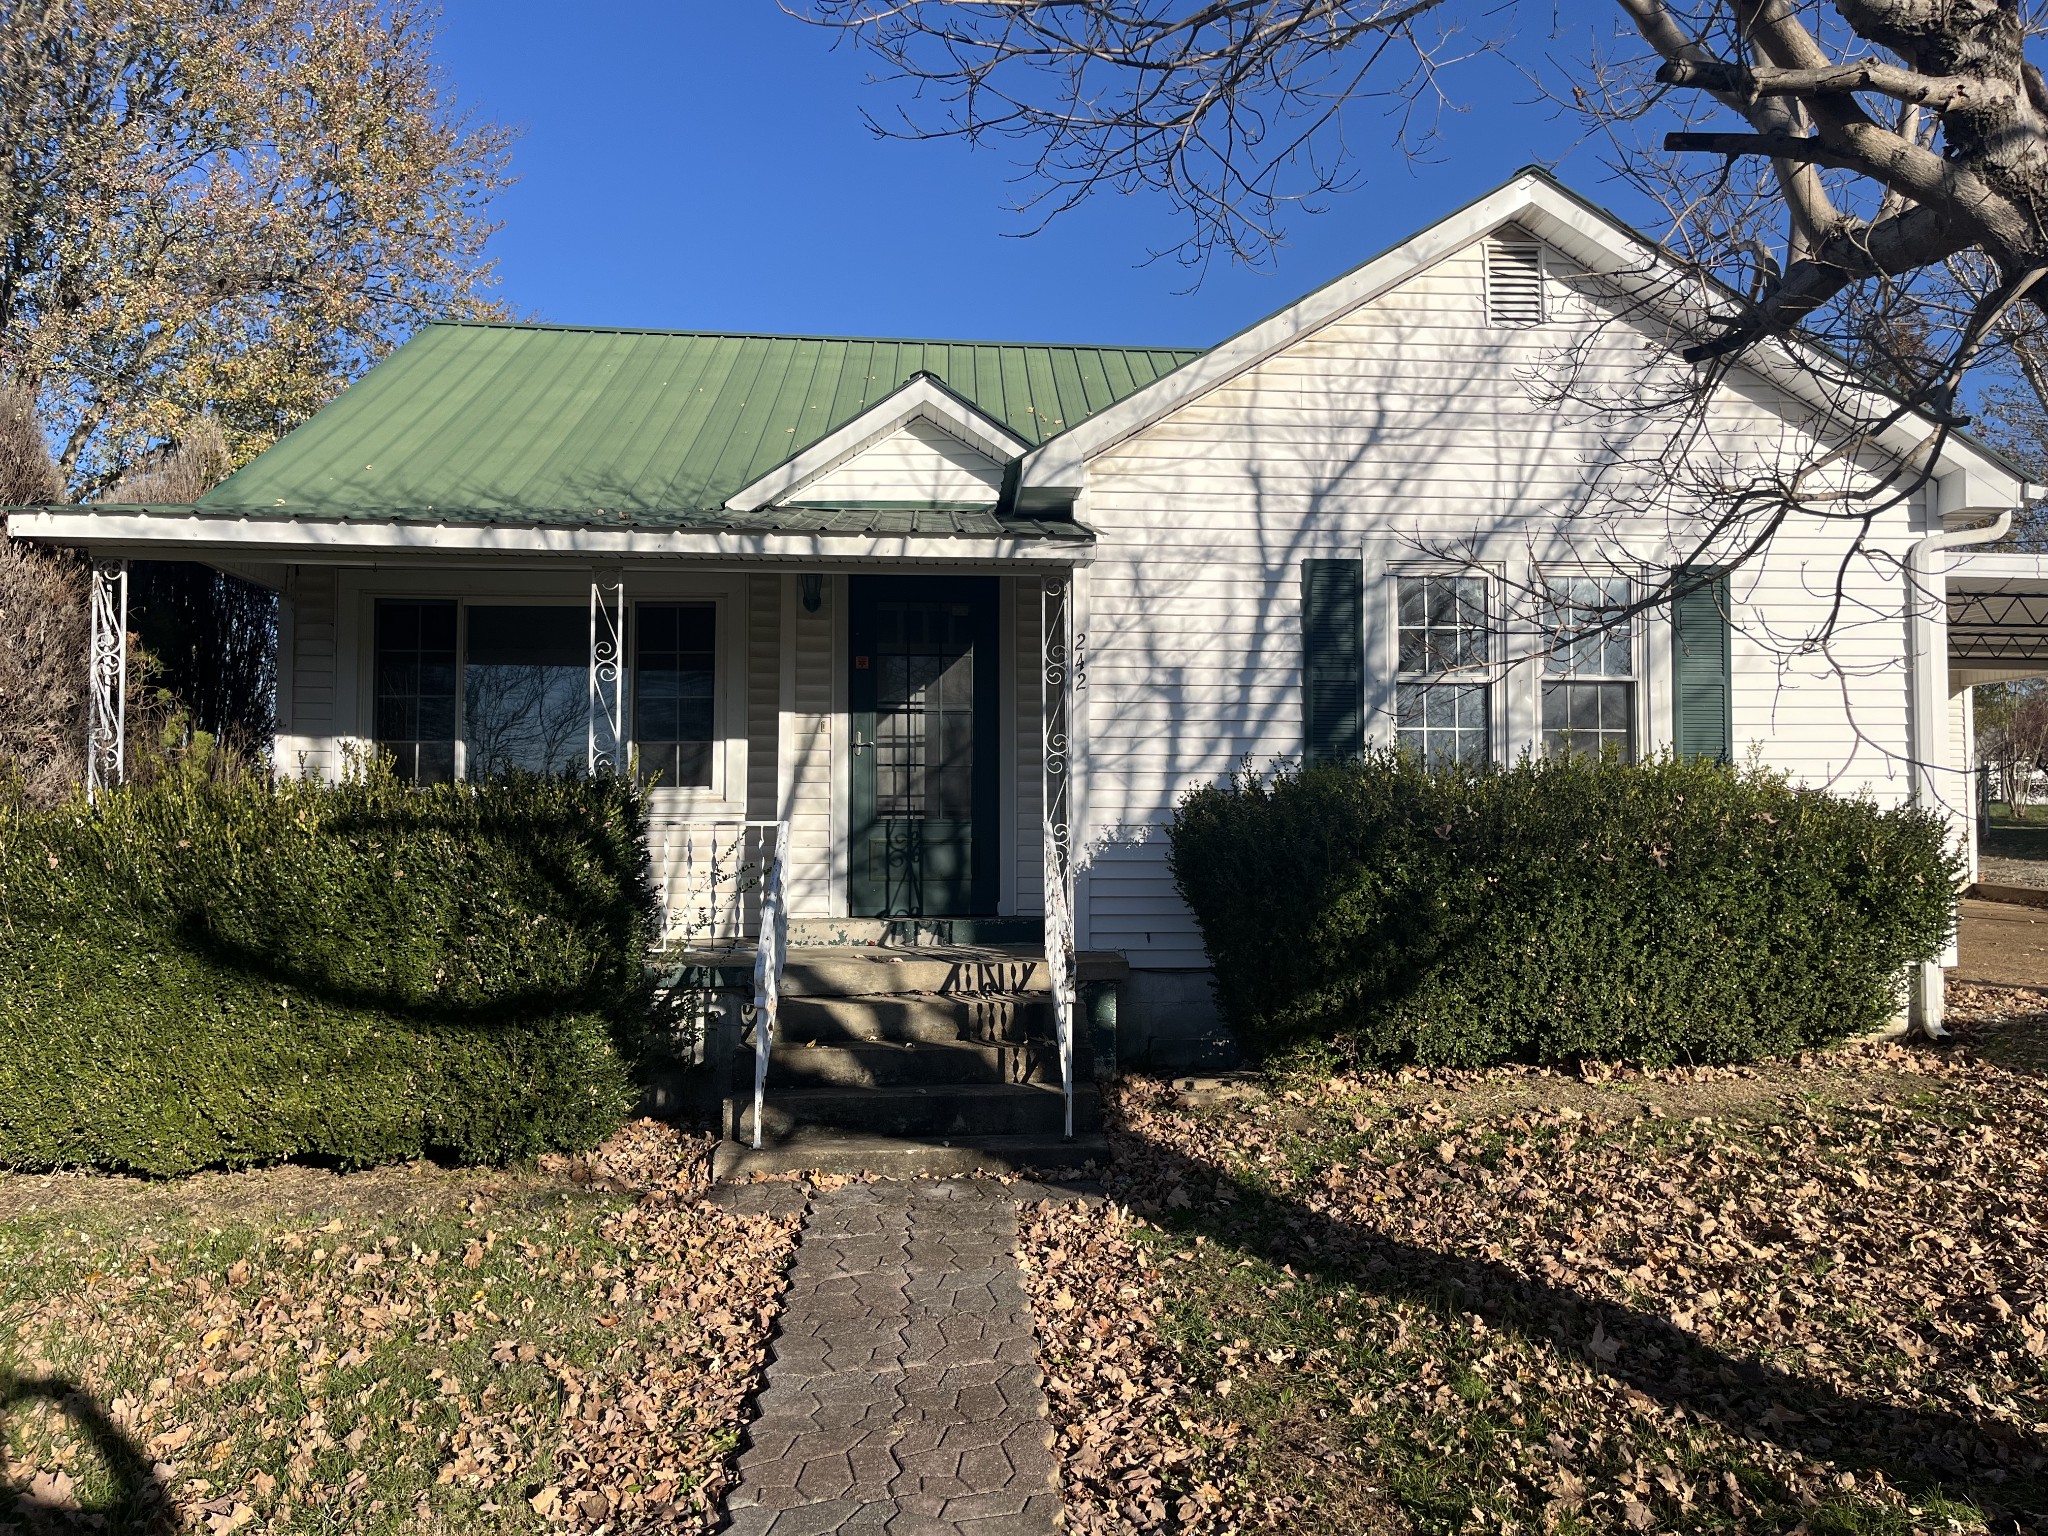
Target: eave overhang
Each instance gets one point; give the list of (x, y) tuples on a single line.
[(179, 533)]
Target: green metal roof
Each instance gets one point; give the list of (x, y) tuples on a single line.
[(564, 425)]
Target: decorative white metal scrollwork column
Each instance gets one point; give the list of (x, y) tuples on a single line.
[(607, 675), (106, 739), (1058, 676)]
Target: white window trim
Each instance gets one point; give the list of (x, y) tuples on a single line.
[(1494, 675), (356, 674), (1643, 744)]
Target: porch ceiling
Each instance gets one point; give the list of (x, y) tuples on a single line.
[(1997, 616)]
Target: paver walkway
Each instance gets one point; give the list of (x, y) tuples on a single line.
[(903, 1395)]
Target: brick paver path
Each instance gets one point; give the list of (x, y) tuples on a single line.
[(903, 1395)]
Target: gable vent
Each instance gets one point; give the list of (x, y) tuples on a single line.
[(1514, 282)]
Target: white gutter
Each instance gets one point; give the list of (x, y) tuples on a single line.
[(1927, 682), (166, 536)]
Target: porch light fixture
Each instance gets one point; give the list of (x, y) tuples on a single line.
[(811, 584)]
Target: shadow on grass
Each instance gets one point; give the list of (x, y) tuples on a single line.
[(1922, 1451), (140, 1505)]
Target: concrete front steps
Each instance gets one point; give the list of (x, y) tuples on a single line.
[(928, 1060)]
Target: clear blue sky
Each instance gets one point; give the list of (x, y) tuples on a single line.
[(702, 164)]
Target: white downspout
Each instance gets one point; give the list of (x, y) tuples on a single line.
[(1927, 628)]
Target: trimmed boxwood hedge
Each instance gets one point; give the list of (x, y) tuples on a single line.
[(195, 974), (1564, 908)]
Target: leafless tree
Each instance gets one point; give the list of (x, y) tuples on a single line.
[(1859, 187), (2012, 738), (1897, 133)]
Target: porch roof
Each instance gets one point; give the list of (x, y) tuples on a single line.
[(566, 427)]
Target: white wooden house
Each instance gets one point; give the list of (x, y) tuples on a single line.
[(843, 570)]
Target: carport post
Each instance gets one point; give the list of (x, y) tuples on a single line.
[(1927, 692)]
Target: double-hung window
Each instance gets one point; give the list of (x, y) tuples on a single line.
[(416, 683), (471, 689), (1443, 700), (674, 673), (1589, 680)]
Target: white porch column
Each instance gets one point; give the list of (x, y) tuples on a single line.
[(106, 738)]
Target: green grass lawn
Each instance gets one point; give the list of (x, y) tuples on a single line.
[(1809, 1296), (409, 1349), (2003, 837)]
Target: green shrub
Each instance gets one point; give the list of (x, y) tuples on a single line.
[(197, 974), (1561, 909)]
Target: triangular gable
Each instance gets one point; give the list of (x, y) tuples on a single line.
[(1529, 205), (923, 443)]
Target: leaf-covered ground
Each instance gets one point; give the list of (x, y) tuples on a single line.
[(1805, 1297), (409, 1349)]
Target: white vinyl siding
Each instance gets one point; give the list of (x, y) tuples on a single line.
[(918, 462), (764, 692), (1029, 762), (814, 728), (309, 735), (1408, 423)]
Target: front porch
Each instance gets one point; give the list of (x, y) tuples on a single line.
[(928, 1059), (907, 724)]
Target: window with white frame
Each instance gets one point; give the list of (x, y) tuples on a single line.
[(469, 689), (1443, 700), (1589, 672), (674, 680)]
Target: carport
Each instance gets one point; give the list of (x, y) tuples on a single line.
[(1997, 633)]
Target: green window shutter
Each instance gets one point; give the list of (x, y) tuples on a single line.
[(1703, 723), (1333, 659)]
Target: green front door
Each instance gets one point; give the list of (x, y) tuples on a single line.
[(923, 700)]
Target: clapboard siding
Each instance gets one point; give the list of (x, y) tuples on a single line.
[(764, 693), (1404, 426), (916, 462), (313, 730), (812, 733), (1029, 826)]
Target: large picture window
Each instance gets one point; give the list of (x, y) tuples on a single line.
[(525, 689), (474, 689), (674, 669), (1589, 690), (1443, 704)]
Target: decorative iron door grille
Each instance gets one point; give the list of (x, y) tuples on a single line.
[(924, 785)]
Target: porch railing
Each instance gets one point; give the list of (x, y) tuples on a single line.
[(714, 876), (769, 951)]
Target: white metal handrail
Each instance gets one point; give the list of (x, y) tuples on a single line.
[(770, 949)]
